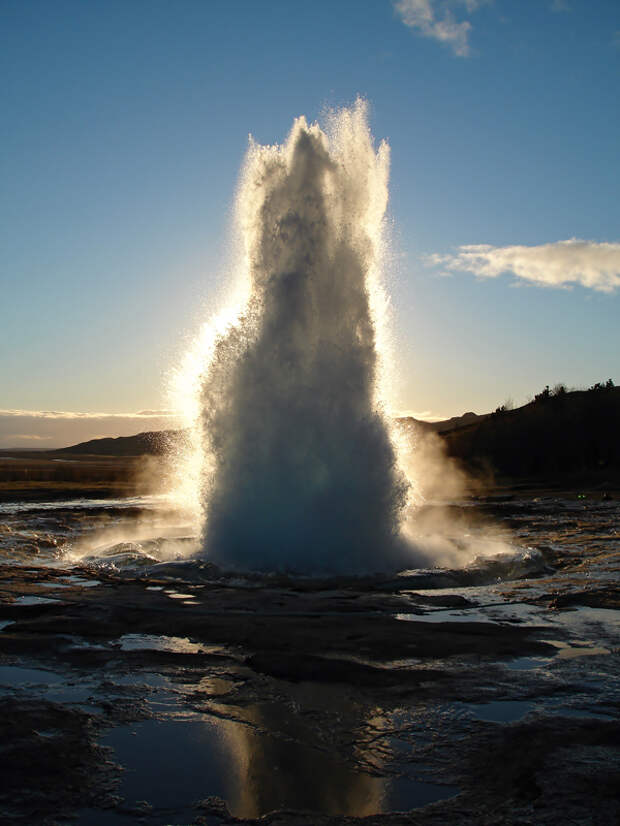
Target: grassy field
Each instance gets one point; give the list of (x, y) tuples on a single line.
[(40, 475)]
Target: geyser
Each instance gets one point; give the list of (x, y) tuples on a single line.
[(298, 467)]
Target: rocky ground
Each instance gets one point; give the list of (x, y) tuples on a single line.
[(176, 693)]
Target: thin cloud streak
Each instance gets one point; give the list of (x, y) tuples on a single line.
[(65, 414), (558, 264), (30, 437), (425, 415)]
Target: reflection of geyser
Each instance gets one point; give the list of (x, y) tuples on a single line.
[(299, 469), (284, 760)]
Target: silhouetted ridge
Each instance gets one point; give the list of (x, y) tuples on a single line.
[(569, 432), (445, 424), (150, 442)]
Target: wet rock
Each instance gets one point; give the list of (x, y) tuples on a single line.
[(214, 806), (442, 601), (51, 762), (594, 598), (300, 667)]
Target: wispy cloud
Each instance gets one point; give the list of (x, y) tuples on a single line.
[(29, 437), (435, 19), (424, 415), (148, 413), (559, 264), (65, 414), (58, 428)]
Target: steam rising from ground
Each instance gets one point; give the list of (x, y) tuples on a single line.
[(292, 461)]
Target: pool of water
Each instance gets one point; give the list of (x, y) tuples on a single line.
[(500, 711), (32, 600), (174, 764), (152, 642)]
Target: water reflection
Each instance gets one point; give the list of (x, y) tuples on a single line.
[(286, 758), (321, 750), (310, 748)]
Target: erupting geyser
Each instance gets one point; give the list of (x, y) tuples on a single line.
[(298, 468)]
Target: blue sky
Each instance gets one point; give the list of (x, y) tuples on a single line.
[(125, 124)]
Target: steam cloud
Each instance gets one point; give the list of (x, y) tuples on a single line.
[(300, 471), (291, 461)]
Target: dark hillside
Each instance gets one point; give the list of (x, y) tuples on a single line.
[(563, 433), (151, 442), (558, 434), (445, 424)]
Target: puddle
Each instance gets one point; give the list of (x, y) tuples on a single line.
[(70, 693), (563, 711), (583, 620), (82, 504), (527, 663), (16, 676), (177, 595), (153, 642), (585, 648), (500, 711), (84, 583), (215, 686), (145, 678), (173, 764), (81, 642), (446, 615), (403, 794), (490, 612), (48, 684), (30, 600), (5, 623), (52, 585)]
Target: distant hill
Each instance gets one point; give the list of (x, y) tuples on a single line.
[(151, 442), (558, 433), (157, 442), (445, 424), (563, 433)]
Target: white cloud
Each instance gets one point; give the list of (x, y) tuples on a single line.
[(436, 20), (559, 264)]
